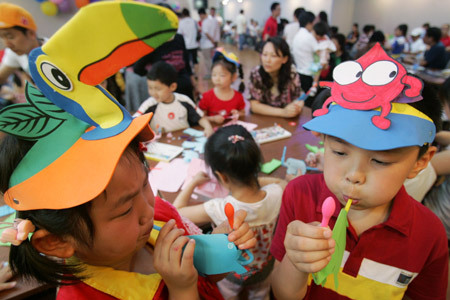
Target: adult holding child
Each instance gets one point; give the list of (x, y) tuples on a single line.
[(275, 85)]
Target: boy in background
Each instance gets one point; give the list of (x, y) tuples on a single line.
[(395, 247), (171, 111)]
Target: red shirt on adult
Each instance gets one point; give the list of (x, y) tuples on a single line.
[(446, 41), (271, 27)]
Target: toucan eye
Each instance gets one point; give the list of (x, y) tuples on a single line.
[(380, 73), (56, 76), (347, 72)]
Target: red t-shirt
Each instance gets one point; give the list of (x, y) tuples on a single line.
[(271, 27), (409, 250), (446, 41), (213, 105)]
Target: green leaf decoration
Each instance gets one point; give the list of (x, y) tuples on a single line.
[(38, 100), (27, 122)]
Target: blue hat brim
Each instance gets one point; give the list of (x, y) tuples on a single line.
[(356, 128)]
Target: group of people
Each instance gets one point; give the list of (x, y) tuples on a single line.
[(101, 231)]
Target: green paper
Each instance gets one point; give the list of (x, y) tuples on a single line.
[(314, 149), (339, 235), (9, 219), (270, 166)]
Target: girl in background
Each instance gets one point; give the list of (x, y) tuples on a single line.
[(223, 101), (235, 159)]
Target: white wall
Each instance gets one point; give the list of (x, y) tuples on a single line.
[(342, 12), (388, 14)]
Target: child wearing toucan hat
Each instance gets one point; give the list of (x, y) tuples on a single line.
[(376, 134), (72, 166)]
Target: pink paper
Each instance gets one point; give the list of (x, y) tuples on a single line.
[(168, 176), (246, 125), (210, 189)]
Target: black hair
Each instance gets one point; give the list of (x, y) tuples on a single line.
[(202, 11), (368, 28), (274, 6), (323, 17), (356, 25), (163, 72), (320, 28), (241, 11), (75, 222), (444, 92), (285, 73), (319, 100), (434, 33), (431, 106), (305, 18), (298, 11), (377, 37), (21, 29), (185, 12), (239, 160), (334, 30), (341, 41), (426, 25), (403, 28), (232, 68)]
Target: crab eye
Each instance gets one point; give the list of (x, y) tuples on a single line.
[(347, 72), (56, 76), (380, 73)]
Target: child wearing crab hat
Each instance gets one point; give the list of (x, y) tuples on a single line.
[(223, 101), (395, 247)]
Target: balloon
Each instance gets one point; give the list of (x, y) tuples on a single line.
[(81, 3), (57, 2), (65, 6), (49, 8)]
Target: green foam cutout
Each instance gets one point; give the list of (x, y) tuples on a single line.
[(270, 166)]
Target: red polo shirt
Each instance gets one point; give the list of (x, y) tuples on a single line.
[(407, 254), (271, 27)]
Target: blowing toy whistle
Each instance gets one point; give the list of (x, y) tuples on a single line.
[(214, 254)]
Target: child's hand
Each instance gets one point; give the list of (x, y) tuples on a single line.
[(308, 246), (5, 275), (175, 266), (200, 178), (219, 119), (315, 160), (208, 132), (234, 114), (240, 234), (292, 110)]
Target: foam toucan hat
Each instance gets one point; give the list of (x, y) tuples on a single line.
[(220, 53), (80, 130), (369, 105)]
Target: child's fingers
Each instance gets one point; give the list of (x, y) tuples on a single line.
[(239, 218), (299, 228), (176, 250), (7, 285), (310, 257), (187, 260)]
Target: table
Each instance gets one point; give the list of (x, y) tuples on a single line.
[(295, 145), (435, 78)]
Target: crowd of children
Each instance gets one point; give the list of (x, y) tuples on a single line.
[(104, 235)]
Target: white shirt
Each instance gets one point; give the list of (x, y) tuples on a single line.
[(303, 48), (188, 29), (290, 30), (209, 27), (258, 213), (216, 35), (241, 24), (418, 46)]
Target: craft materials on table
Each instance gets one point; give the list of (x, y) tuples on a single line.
[(162, 152), (270, 134), (193, 132), (210, 189), (168, 176), (270, 166), (314, 149), (339, 235), (283, 156), (246, 125)]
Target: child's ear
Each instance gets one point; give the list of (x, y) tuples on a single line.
[(422, 162), (222, 177), (173, 87), (52, 245), (234, 77)]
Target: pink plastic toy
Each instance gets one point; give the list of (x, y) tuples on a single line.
[(328, 208)]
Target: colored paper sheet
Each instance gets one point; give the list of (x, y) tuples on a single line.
[(247, 125), (168, 177), (193, 132), (270, 166)]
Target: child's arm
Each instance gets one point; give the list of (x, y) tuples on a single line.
[(218, 119), (183, 197), (443, 137), (308, 250), (176, 266), (268, 180), (238, 113), (206, 126)]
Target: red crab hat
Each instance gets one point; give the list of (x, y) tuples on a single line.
[(369, 105)]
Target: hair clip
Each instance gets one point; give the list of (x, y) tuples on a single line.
[(235, 138), (142, 147), (16, 232)]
